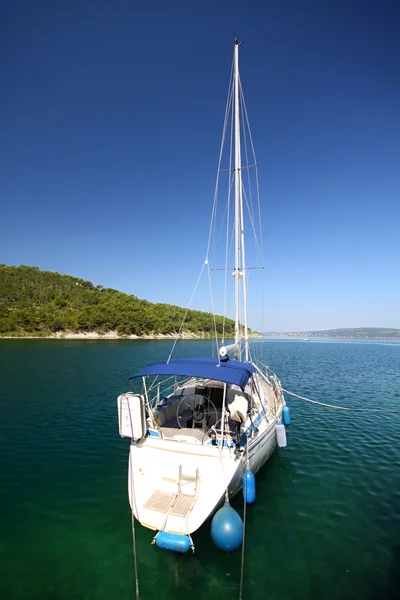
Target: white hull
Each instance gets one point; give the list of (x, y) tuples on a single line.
[(176, 484)]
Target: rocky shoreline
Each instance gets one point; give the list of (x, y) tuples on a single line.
[(113, 335)]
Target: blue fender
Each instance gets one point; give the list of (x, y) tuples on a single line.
[(227, 529), (286, 415), (249, 486)]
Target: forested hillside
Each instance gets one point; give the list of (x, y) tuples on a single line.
[(39, 302)]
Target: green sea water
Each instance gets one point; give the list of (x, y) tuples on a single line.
[(326, 521)]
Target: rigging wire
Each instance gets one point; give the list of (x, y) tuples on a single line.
[(245, 148), (256, 168), (252, 223), (226, 120), (245, 126), (248, 337), (228, 204), (213, 212), (262, 300), (186, 312), (213, 311), (248, 196)]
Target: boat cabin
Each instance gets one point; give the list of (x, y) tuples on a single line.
[(196, 406)]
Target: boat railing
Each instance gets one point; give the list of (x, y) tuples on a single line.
[(160, 390), (218, 434)]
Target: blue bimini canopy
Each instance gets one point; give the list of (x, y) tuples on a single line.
[(231, 371)]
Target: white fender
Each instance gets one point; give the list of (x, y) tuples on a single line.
[(131, 416)]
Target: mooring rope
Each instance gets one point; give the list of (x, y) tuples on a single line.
[(244, 527), (133, 500), (332, 406), (347, 408), (134, 557)]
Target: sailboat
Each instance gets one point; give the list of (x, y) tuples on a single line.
[(201, 428)]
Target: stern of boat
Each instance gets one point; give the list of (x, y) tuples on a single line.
[(174, 486)]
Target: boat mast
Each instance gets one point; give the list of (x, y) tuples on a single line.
[(239, 225)]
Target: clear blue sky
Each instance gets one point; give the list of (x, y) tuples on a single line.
[(111, 116)]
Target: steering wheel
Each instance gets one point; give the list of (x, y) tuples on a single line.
[(200, 411)]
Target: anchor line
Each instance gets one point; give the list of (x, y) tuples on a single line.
[(134, 557), (347, 408), (244, 527), (334, 406), (134, 534)]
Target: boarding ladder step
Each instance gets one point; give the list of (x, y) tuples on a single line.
[(176, 504)]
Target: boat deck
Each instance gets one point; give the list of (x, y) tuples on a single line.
[(176, 505), (160, 501), (198, 434)]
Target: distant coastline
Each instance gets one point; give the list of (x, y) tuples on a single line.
[(355, 333)]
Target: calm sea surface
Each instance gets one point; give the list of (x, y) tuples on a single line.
[(326, 522)]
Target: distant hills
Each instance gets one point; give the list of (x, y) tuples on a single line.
[(43, 303), (356, 332)]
